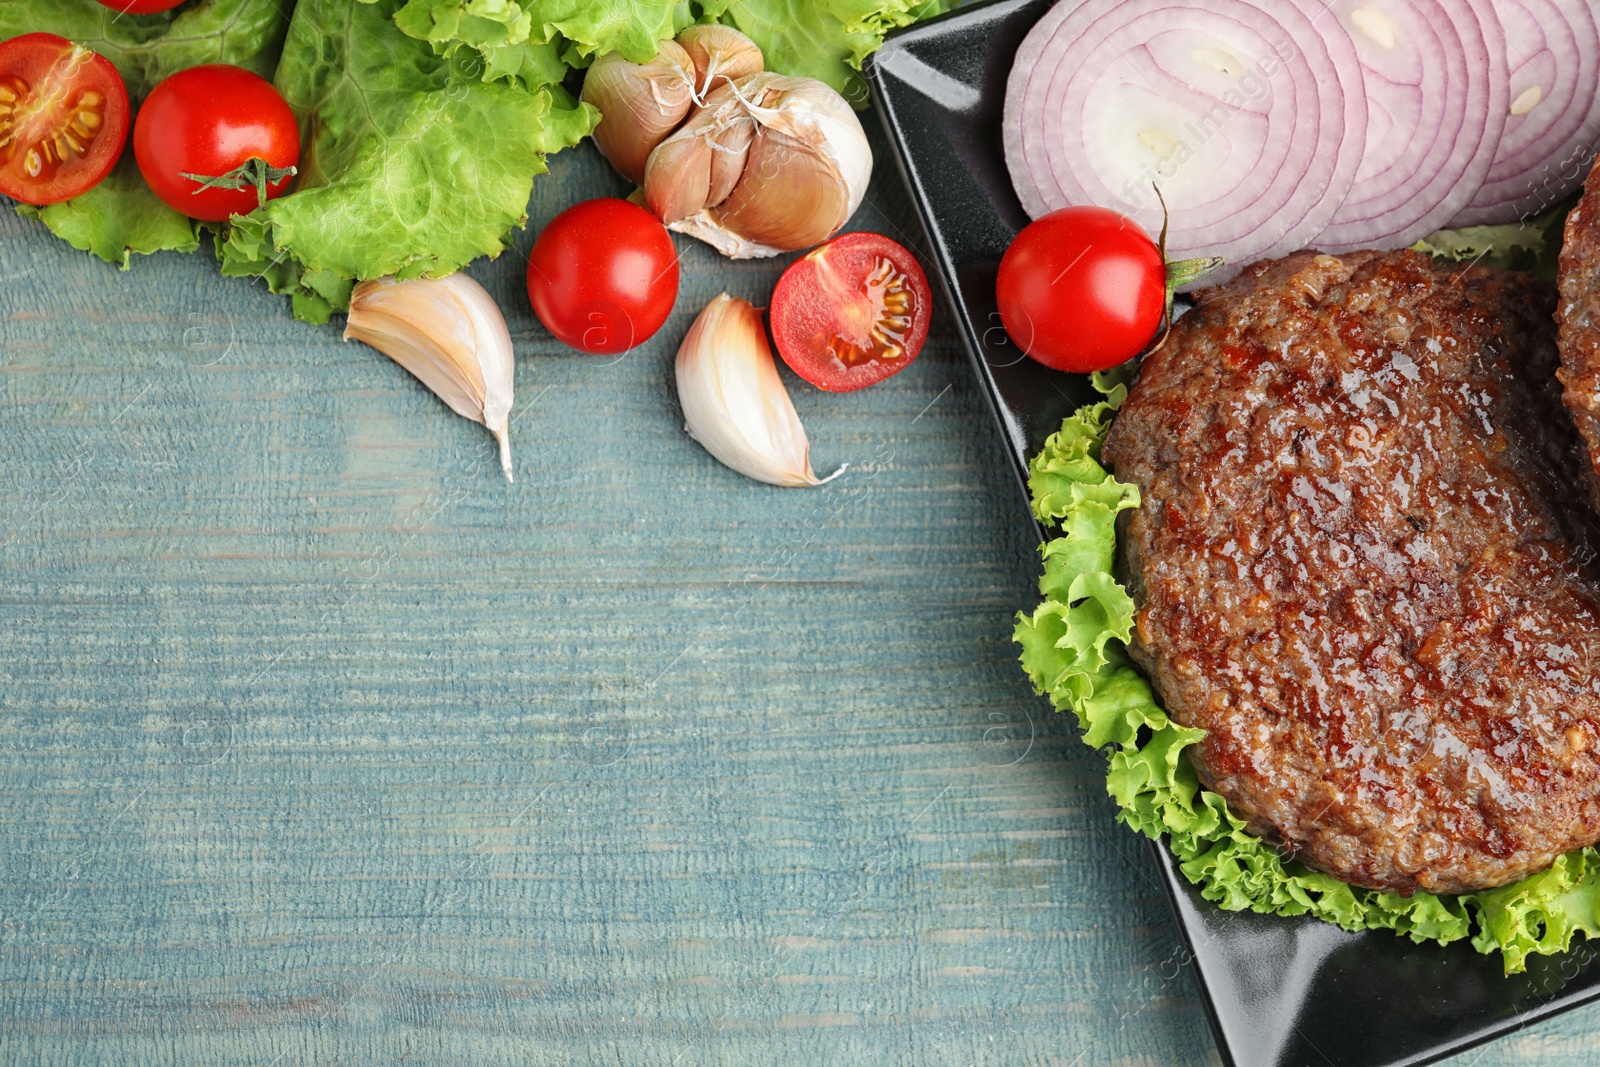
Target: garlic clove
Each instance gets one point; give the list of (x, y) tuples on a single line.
[(796, 168), (733, 401), (640, 104), (804, 201), (677, 177), (700, 163), (706, 152), (449, 333), (720, 54), (730, 155)]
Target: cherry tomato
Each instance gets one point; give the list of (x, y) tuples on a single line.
[(851, 312), (603, 275), (63, 118), (215, 122), (141, 7), (1082, 289)]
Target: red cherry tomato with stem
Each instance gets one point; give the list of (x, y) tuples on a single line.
[(141, 7), (63, 118), (603, 275), (216, 140), (1085, 289), (851, 312), (1082, 289)]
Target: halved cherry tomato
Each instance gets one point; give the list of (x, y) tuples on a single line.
[(1082, 289), (63, 118), (603, 275), (141, 7), (851, 312), (210, 139)]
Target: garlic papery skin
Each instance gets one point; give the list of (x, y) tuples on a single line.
[(798, 158), (451, 335), (719, 54), (733, 401), (640, 104), (702, 162)]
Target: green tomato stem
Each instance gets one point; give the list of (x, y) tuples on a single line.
[(1180, 272), (254, 172)]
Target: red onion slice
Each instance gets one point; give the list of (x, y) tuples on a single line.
[(1553, 118), (1437, 93), (1248, 114)]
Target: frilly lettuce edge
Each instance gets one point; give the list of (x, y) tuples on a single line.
[(1074, 651)]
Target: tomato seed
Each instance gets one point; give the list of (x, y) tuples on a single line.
[(11, 89), (892, 300)]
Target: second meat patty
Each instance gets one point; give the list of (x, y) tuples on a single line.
[(1358, 567)]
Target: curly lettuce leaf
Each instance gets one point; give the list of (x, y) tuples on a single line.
[(822, 39), (493, 36), (147, 48), (248, 252), (1532, 245), (408, 168), (595, 27), (535, 40), (1542, 913), (1073, 650), (117, 218)]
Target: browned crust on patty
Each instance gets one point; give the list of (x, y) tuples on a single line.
[(1359, 566), (1578, 318)]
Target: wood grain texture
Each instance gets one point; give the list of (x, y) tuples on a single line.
[(321, 744)]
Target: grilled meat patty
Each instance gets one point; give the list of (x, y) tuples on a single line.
[(1578, 316), (1360, 566)]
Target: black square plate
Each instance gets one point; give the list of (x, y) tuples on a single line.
[(1279, 992)]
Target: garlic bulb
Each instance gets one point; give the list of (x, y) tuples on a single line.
[(734, 402), (640, 104), (769, 164), (720, 54), (449, 333)]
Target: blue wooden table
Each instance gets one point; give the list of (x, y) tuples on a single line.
[(319, 743)]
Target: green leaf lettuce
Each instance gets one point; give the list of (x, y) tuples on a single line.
[(408, 167), (496, 33), (1532, 245), (595, 27), (117, 218), (534, 40), (121, 216), (423, 122), (1073, 650), (147, 48), (822, 39)]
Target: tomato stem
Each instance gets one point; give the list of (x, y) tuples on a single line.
[(1183, 271), (254, 172), (1179, 273)]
